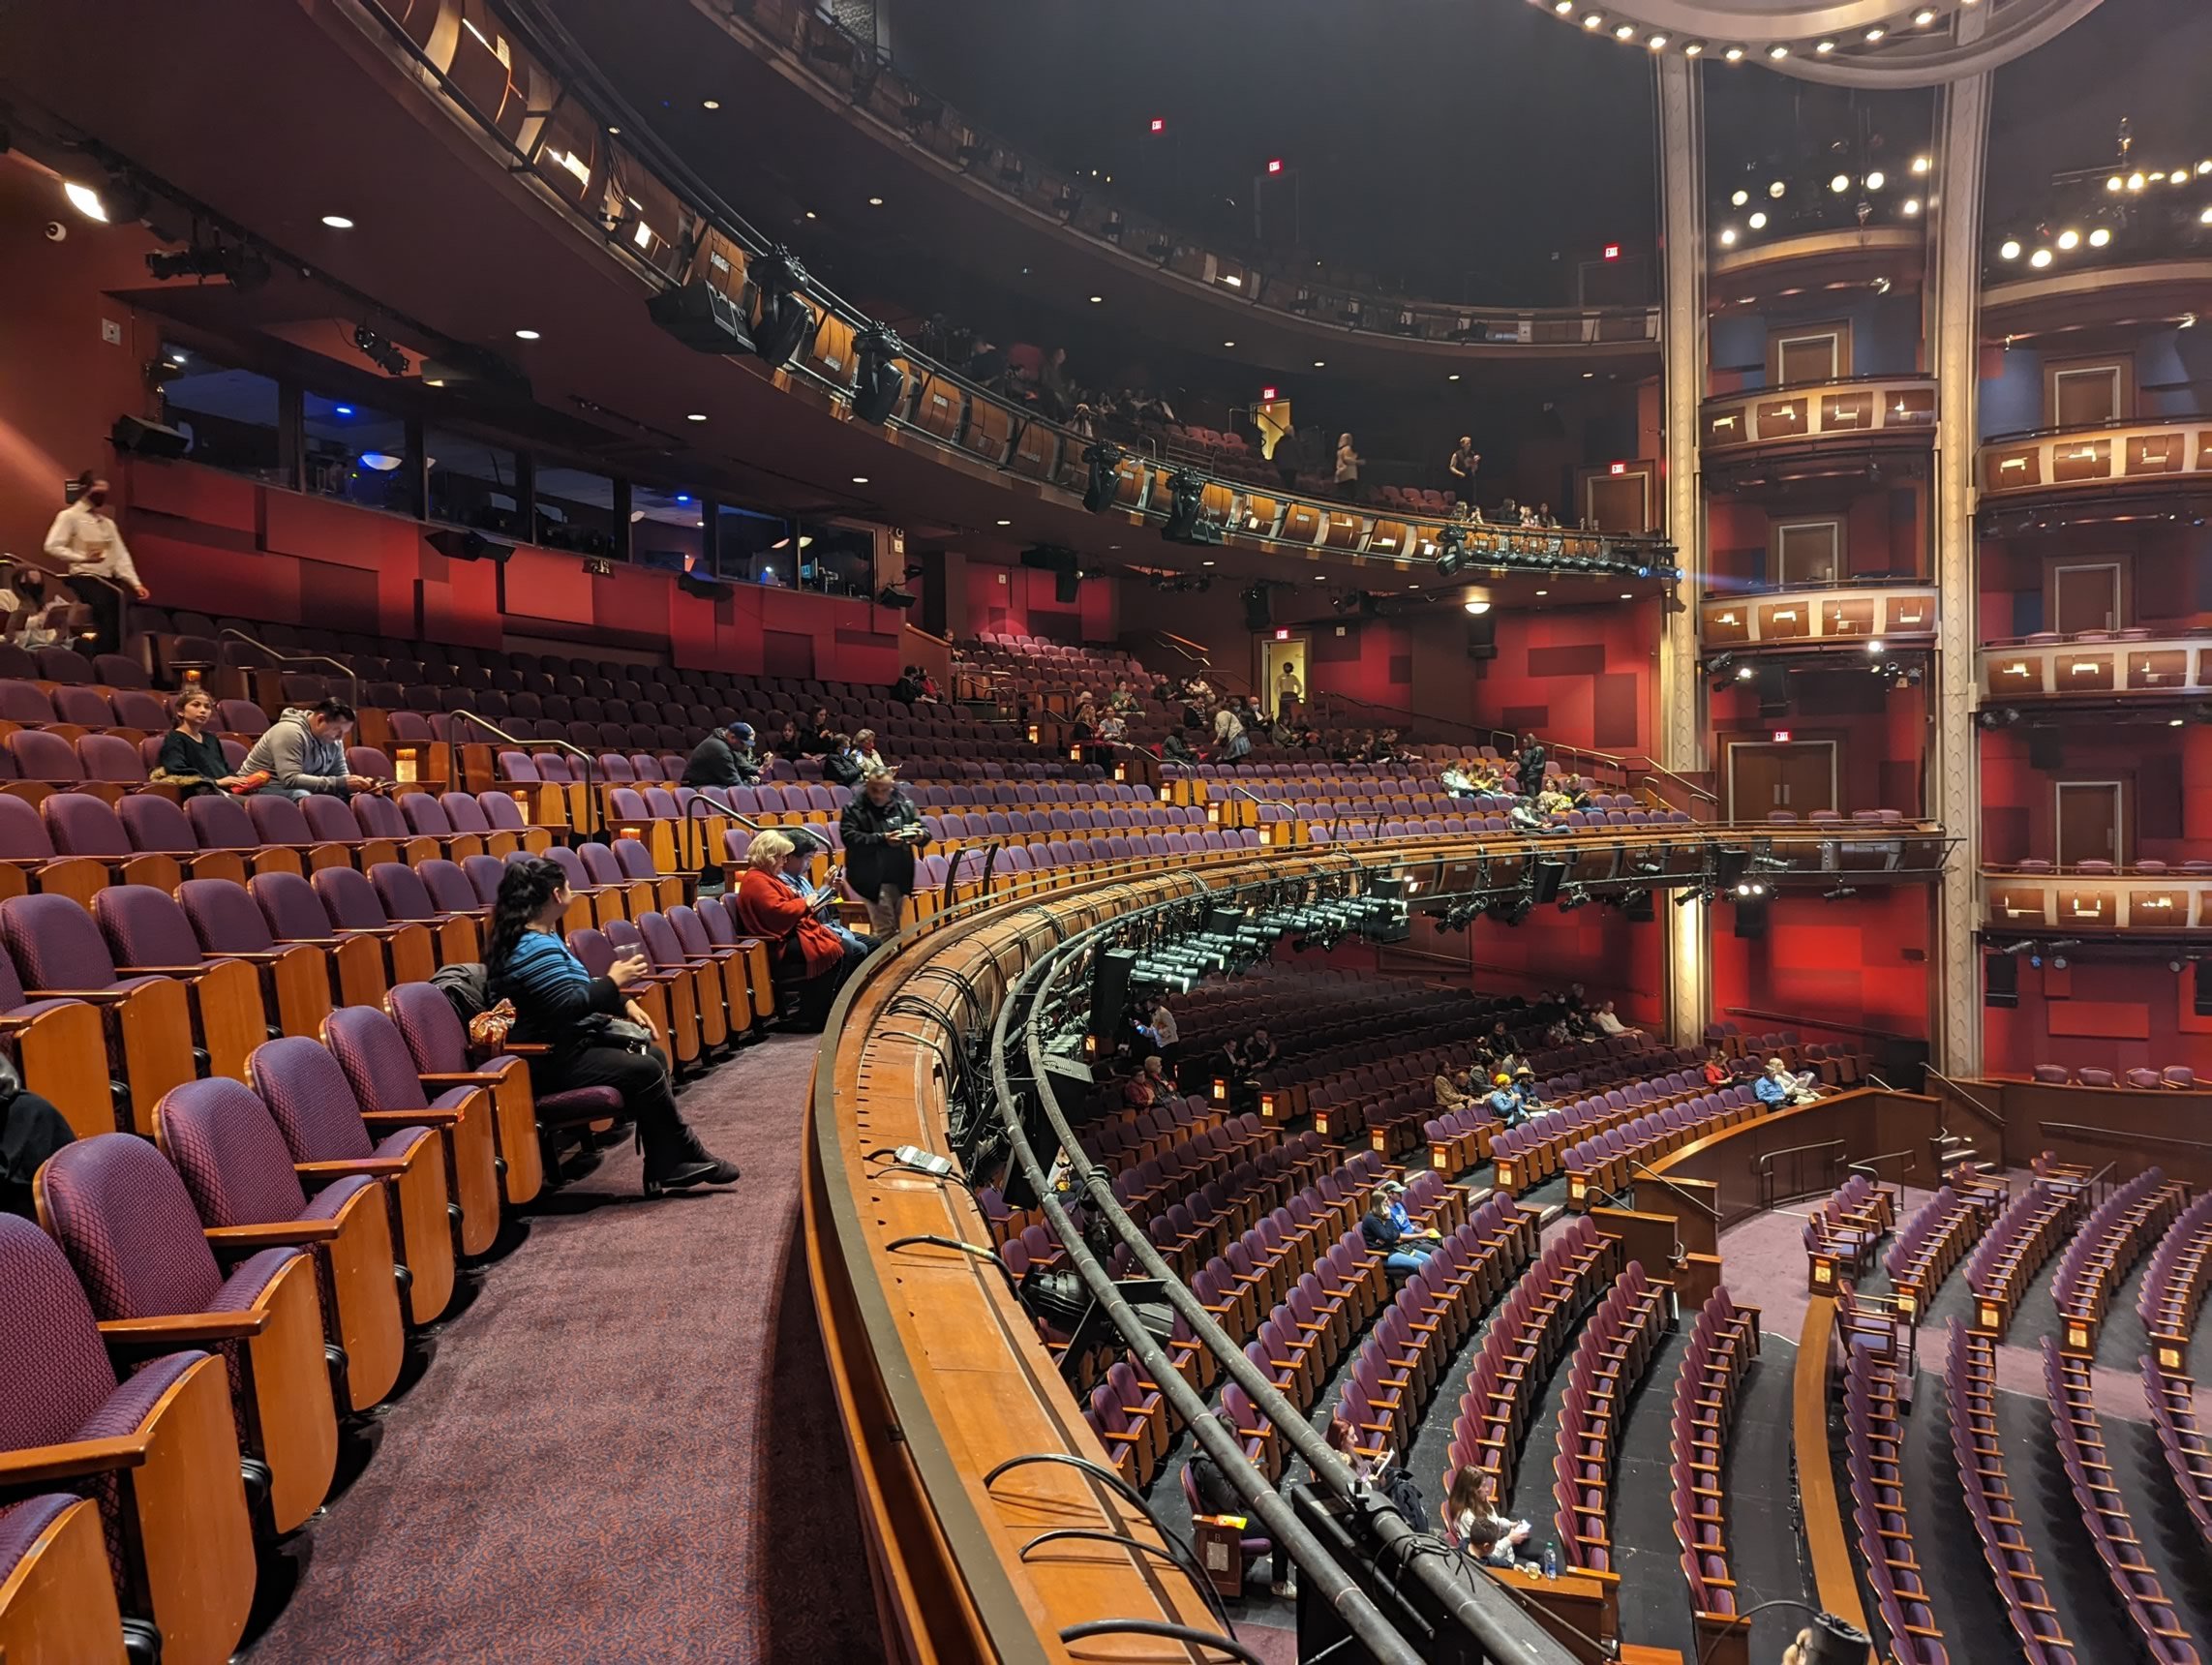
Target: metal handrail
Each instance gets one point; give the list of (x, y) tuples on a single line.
[(1764, 1168), (591, 811), (1867, 1162), (284, 658), (1995, 1116), (2082, 1130), (1703, 1207), (1788, 387), (1815, 1022)]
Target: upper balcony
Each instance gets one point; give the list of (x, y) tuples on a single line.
[(2097, 897), (1839, 258), (1866, 616), (2125, 458), (2096, 667), (1764, 436)]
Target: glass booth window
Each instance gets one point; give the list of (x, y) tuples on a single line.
[(228, 417), (357, 453), (575, 511), (473, 484), (667, 528), (752, 548)]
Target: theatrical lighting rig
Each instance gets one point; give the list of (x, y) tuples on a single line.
[(1104, 459), (378, 350)]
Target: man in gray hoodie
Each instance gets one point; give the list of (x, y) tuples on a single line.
[(303, 752)]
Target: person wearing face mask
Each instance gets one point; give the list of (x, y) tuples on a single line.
[(94, 563)]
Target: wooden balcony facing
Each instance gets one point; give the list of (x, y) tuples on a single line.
[(2135, 664), (2097, 897), (1841, 615), (2118, 456), (1895, 409)]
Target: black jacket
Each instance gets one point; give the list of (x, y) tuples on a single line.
[(712, 763), (203, 757), (842, 769), (871, 861)]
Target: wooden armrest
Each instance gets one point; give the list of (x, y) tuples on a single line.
[(183, 1329), (525, 1050), (423, 1118), (91, 994), (370, 1167), (461, 1079), (272, 1234), (78, 1460), (160, 970)]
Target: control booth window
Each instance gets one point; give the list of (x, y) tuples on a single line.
[(228, 417), (837, 560), (752, 548), (668, 530), (575, 511), (473, 484), (355, 452)]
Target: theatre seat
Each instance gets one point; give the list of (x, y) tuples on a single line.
[(162, 1438), (295, 914), (250, 1196), (60, 1048), (326, 1129), (124, 1218), (295, 984), (149, 935), (57, 1596)]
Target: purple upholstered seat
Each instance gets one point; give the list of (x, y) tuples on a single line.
[(83, 825), (374, 1056)]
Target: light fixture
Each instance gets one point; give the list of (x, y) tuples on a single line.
[(1840, 183), (2069, 239), (1874, 647), (1320, 364), (85, 200), (2113, 183), (338, 222), (1006, 523), (1477, 607), (695, 416), (2205, 218), (1694, 49), (1777, 51), (2204, 168), (382, 462), (1923, 17), (2100, 237), (525, 335), (2009, 250), (875, 203), (2135, 182), (1825, 48), (343, 410), (1744, 673), (1592, 22), (2040, 259), (860, 479), (1098, 300), (1228, 343), (1912, 206), (1920, 165), (1876, 180), (1627, 596), (1875, 34), (1728, 236), (1759, 220), (1734, 54), (1739, 198), (1563, 7), (1624, 32), (710, 104), (1453, 377), (1543, 593), (1657, 43)]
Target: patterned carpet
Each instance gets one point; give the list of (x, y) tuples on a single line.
[(624, 1448)]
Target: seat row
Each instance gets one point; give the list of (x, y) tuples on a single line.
[(1723, 1341), (1932, 1242), (1970, 1385), (1608, 1161), (1518, 1349), (2179, 1076), (1610, 1358), (2025, 1236), (1842, 1232), (2175, 1283), (2125, 1224), (1874, 1459), (2081, 1436), (2182, 1439)]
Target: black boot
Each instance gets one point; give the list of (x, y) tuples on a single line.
[(685, 1161)]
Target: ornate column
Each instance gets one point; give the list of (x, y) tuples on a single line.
[(1680, 719), (1954, 213)]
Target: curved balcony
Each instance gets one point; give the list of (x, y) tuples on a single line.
[(1856, 411), (2032, 897), (2117, 457), (2096, 667), (1844, 616), (2135, 294), (1844, 259)]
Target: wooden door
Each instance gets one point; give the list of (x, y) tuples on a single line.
[(2085, 396), (1809, 552), (2085, 597), (1766, 776), (2089, 821)]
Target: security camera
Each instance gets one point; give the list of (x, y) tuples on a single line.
[(56, 231)]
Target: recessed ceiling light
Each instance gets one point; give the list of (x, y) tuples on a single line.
[(2040, 259), (1626, 596), (810, 214), (1875, 34), (1734, 54), (1453, 377), (1228, 343), (613, 133), (338, 222), (1923, 17), (1777, 51), (1006, 523), (1695, 49), (2069, 239), (1758, 221), (1825, 48), (696, 417), (860, 479), (1920, 165), (2100, 237), (1205, 564), (875, 203), (710, 104), (1320, 364), (1543, 593), (1098, 300), (1321, 577), (2009, 250), (525, 335)]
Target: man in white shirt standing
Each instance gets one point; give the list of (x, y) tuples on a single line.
[(84, 535)]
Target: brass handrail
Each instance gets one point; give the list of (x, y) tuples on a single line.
[(281, 658), (591, 811)]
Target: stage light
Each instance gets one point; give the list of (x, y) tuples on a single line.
[(2009, 250), (881, 383), (1744, 673), (2040, 259), (1104, 459), (85, 200), (2069, 239), (1758, 221), (1739, 198), (2113, 183), (1840, 183), (2100, 237), (1876, 180), (2135, 182)]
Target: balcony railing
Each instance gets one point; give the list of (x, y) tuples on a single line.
[(1834, 412), (2128, 454), (1843, 616), (2096, 897), (2101, 665)]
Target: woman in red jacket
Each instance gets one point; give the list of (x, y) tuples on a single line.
[(807, 955)]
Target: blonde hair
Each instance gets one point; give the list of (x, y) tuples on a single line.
[(864, 738), (767, 850)]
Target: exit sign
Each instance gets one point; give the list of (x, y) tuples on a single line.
[(1281, 635), (1612, 251), (1781, 737)]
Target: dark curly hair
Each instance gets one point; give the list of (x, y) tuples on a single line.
[(524, 888)]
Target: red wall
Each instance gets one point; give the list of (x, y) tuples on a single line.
[(1023, 601), (1596, 947), (223, 544), (2114, 1016), (1880, 733), (1370, 660), (1881, 535), (1578, 676), (2166, 790), (1863, 961)]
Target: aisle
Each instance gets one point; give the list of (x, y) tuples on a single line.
[(625, 1449)]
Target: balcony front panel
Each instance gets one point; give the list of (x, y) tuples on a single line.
[(2122, 456), (2100, 900), (2100, 666), (1850, 615), (1898, 408)]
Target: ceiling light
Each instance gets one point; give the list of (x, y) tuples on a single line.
[(525, 335), (1321, 578), (1563, 7), (1098, 300), (1777, 51), (1695, 49), (1728, 236), (2135, 182), (1543, 593), (1006, 523), (1920, 165), (875, 203), (1759, 222), (1592, 22), (1840, 183), (1779, 189), (1453, 377), (338, 222), (696, 417), (2069, 239), (1825, 48), (2040, 259), (613, 133), (85, 200), (1228, 343), (2205, 218), (2114, 183), (2100, 237), (1626, 596), (1744, 673), (343, 410), (1657, 43), (710, 104), (1923, 17), (1739, 198), (1478, 606), (2204, 167), (1875, 34), (384, 462), (1876, 180), (810, 214), (1734, 54), (1624, 32), (1320, 364), (1912, 206), (2010, 250)]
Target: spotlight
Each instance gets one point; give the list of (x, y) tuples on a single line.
[(1451, 551), (2009, 250), (1874, 647), (2100, 237), (1728, 237), (1104, 459), (1912, 206), (786, 321), (2069, 239), (1744, 673), (1734, 54), (1841, 893), (244, 268), (2040, 258), (881, 383), (85, 200), (1876, 180), (1188, 490), (369, 344), (1840, 183), (1758, 221)]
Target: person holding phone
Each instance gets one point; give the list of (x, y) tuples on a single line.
[(882, 833), (806, 957), (564, 1008)]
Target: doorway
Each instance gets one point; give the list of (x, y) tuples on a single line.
[(2085, 597), (1280, 654), (1809, 552), (2086, 396), (1766, 776), (2090, 821)]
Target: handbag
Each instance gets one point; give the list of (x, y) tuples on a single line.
[(630, 1036), (488, 1029)]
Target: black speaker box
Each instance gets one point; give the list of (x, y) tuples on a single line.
[(2203, 992), (1066, 588), (1259, 607), (702, 317), (1110, 995), (1544, 881), (1481, 637), (2001, 980), (2047, 751), (136, 434)]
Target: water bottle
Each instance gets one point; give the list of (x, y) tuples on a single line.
[(1551, 1557)]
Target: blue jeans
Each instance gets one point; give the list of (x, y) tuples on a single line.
[(1403, 1264)]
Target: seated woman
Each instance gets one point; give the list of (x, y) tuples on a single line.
[(863, 748), (191, 759), (1472, 1523), (563, 1006), (807, 957)]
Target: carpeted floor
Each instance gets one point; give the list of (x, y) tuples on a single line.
[(624, 1448)]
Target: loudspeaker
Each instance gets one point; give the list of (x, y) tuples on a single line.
[(1259, 607), (1110, 995), (2001, 980), (2046, 749), (1751, 917), (702, 317), (1544, 881), (461, 543), (1636, 908), (2204, 991), (1481, 636), (1066, 588), (134, 435), (1773, 686)]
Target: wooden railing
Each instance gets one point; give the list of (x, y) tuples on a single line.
[(1835, 1577), (1834, 412), (2132, 455), (1852, 614), (2098, 665), (2072, 901)]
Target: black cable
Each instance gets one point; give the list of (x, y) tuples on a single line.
[(1093, 1534), (975, 1249), (1229, 1644), (1743, 1618)]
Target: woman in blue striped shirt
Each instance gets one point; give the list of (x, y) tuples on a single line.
[(560, 1006)]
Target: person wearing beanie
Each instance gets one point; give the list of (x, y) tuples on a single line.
[(724, 758)]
